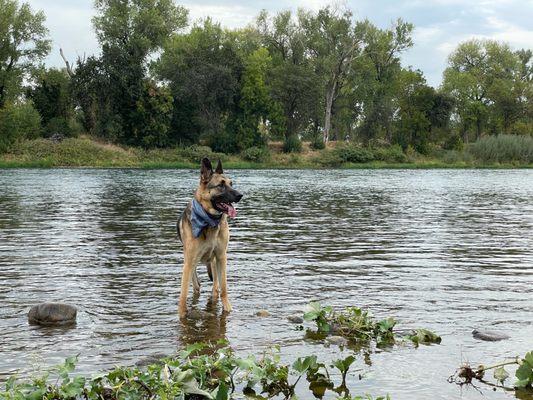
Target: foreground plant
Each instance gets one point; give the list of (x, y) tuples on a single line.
[(197, 372), (524, 373), (358, 325)]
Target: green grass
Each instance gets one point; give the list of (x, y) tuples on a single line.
[(503, 148), (517, 152)]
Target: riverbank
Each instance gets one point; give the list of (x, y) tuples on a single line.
[(88, 152)]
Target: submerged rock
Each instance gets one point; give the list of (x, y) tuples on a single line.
[(295, 319), (337, 340), (489, 336), (262, 313), (151, 359), (52, 314)]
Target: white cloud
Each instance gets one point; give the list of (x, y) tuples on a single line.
[(231, 16)]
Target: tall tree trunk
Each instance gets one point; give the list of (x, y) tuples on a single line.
[(2, 100), (329, 105)]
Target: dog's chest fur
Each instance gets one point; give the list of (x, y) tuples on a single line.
[(209, 243)]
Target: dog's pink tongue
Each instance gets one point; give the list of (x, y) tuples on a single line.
[(232, 212)]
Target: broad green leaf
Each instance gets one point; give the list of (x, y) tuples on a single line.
[(500, 374), (524, 371)]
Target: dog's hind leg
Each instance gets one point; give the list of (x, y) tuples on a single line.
[(195, 283)]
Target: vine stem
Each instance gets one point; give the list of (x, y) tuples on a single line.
[(515, 361)]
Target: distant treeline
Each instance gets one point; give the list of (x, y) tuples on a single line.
[(318, 76)]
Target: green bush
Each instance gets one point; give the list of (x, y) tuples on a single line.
[(455, 157), (318, 143), (256, 154), (391, 154), (329, 158), (18, 122), (292, 144), (195, 153), (503, 148), (223, 142), (453, 142), (60, 126), (522, 128), (353, 154)]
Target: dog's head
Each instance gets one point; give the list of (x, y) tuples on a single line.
[(215, 192)]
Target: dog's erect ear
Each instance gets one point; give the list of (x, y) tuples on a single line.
[(218, 170), (207, 170)]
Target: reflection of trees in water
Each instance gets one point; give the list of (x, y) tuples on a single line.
[(323, 225), (122, 213), (11, 212), (477, 227), (202, 325)]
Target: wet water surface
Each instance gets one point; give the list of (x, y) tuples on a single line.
[(447, 250)]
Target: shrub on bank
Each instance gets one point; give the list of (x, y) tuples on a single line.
[(456, 157), (318, 143), (502, 149), (391, 154), (76, 152), (329, 158), (292, 144), (18, 122), (256, 154), (354, 154), (62, 127), (195, 153)]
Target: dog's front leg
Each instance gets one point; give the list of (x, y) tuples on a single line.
[(214, 273), (222, 281), (188, 270)]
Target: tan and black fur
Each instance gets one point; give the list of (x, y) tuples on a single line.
[(211, 246)]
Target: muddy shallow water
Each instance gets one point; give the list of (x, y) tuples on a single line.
[(447, 250)]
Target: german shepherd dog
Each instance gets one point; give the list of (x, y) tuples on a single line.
[(203, 230)]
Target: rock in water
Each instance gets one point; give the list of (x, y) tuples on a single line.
[(337, 341), (52, 314), (295, 319), (489, 336), (262, 313)]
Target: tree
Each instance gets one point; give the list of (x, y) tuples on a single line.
[(489, 83), (204, 71), (293, 82), (52, 98), (382, 51), (255, 104), (23, 44), (129, 31), (421, 109), (334, 41)]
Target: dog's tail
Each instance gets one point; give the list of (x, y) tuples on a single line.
[(178, 230)]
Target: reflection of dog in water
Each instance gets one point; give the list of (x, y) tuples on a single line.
[(202, 325), (203, 230)]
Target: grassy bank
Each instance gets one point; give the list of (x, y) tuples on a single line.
[(85, 151)]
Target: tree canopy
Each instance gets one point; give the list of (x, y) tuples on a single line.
[(306, 75)]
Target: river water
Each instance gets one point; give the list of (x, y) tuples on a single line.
[(448, 250)]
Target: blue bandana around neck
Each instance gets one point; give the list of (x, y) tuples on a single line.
[(200, 219)]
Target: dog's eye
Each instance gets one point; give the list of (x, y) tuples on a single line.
[(222, 185)]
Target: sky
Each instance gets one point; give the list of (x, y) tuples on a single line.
[(440, 25)]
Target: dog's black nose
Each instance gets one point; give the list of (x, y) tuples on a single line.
[(238, 197)]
